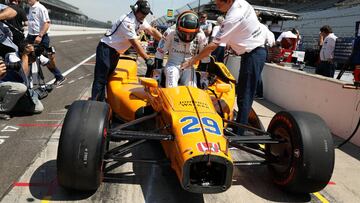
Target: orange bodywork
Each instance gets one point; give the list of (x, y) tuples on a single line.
[(194, 118)]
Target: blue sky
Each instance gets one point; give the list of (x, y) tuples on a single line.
[(105, 10)]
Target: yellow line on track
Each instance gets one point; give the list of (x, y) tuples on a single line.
[(320, 197), (46, 199)]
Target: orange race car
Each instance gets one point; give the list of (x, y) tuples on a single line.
[(194, 126)]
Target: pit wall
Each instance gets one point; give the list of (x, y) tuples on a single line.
[(63, 30), (296, 90)]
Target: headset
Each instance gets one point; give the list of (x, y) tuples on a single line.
[(134, 9), (140, 5)]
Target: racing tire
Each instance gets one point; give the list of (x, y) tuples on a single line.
[(304, 162), (82, 145)]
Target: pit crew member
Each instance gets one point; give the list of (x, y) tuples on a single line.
[(243, 33), (123, 34)]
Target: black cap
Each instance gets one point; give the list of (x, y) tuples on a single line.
[(142, 6)]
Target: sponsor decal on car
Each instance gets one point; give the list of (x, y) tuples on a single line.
[(208, 147)]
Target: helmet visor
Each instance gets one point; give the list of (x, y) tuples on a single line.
[(186, 36)]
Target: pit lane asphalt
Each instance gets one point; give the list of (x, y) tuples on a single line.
[(28, 155)]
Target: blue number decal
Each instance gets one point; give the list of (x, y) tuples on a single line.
[(211, 126), (193, 126), (190, 127)]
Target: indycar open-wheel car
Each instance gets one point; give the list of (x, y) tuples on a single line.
[(195, 127)]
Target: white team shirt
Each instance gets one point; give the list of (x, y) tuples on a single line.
[(215, 31), (38, 16), (206, 26), (328, 47), (269, 36), (287, 34), (129, 29), (241, 29)]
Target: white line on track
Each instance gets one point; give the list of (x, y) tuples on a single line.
[(65, 41), (71, 81), (4, 137), (72, 69), (48, 120), (57, 113), (89, 37), (82, 77)]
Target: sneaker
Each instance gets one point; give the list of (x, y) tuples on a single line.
[(4, 116), (60, 81)]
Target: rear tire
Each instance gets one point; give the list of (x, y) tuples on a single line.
[(305, 161), (82, 145)]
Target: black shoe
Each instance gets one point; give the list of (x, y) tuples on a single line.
[(60, 81), (4, 116)]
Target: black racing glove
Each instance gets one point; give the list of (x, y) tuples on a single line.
[(158, 63), (149, 67)]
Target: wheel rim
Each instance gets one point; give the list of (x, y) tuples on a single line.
[(281, 155)]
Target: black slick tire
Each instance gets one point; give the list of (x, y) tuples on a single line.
[(304, 162), (82, 144)]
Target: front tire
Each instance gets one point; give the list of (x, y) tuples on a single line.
[(82, 144), (304, 161)]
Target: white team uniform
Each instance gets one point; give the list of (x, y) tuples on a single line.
[(215, 31), (38, 16), (287, 34), (125, 28), (269, 36), (241, 29), (327, 50), (179, 52)]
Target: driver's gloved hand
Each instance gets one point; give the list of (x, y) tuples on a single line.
[(158, 63), (149, 66)]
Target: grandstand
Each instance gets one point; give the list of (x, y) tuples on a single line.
[(341, 15), (208, 6), (66, 14)]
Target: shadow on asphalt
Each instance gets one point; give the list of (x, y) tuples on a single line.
[(257, 179), (158, 182), (44, 185)]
